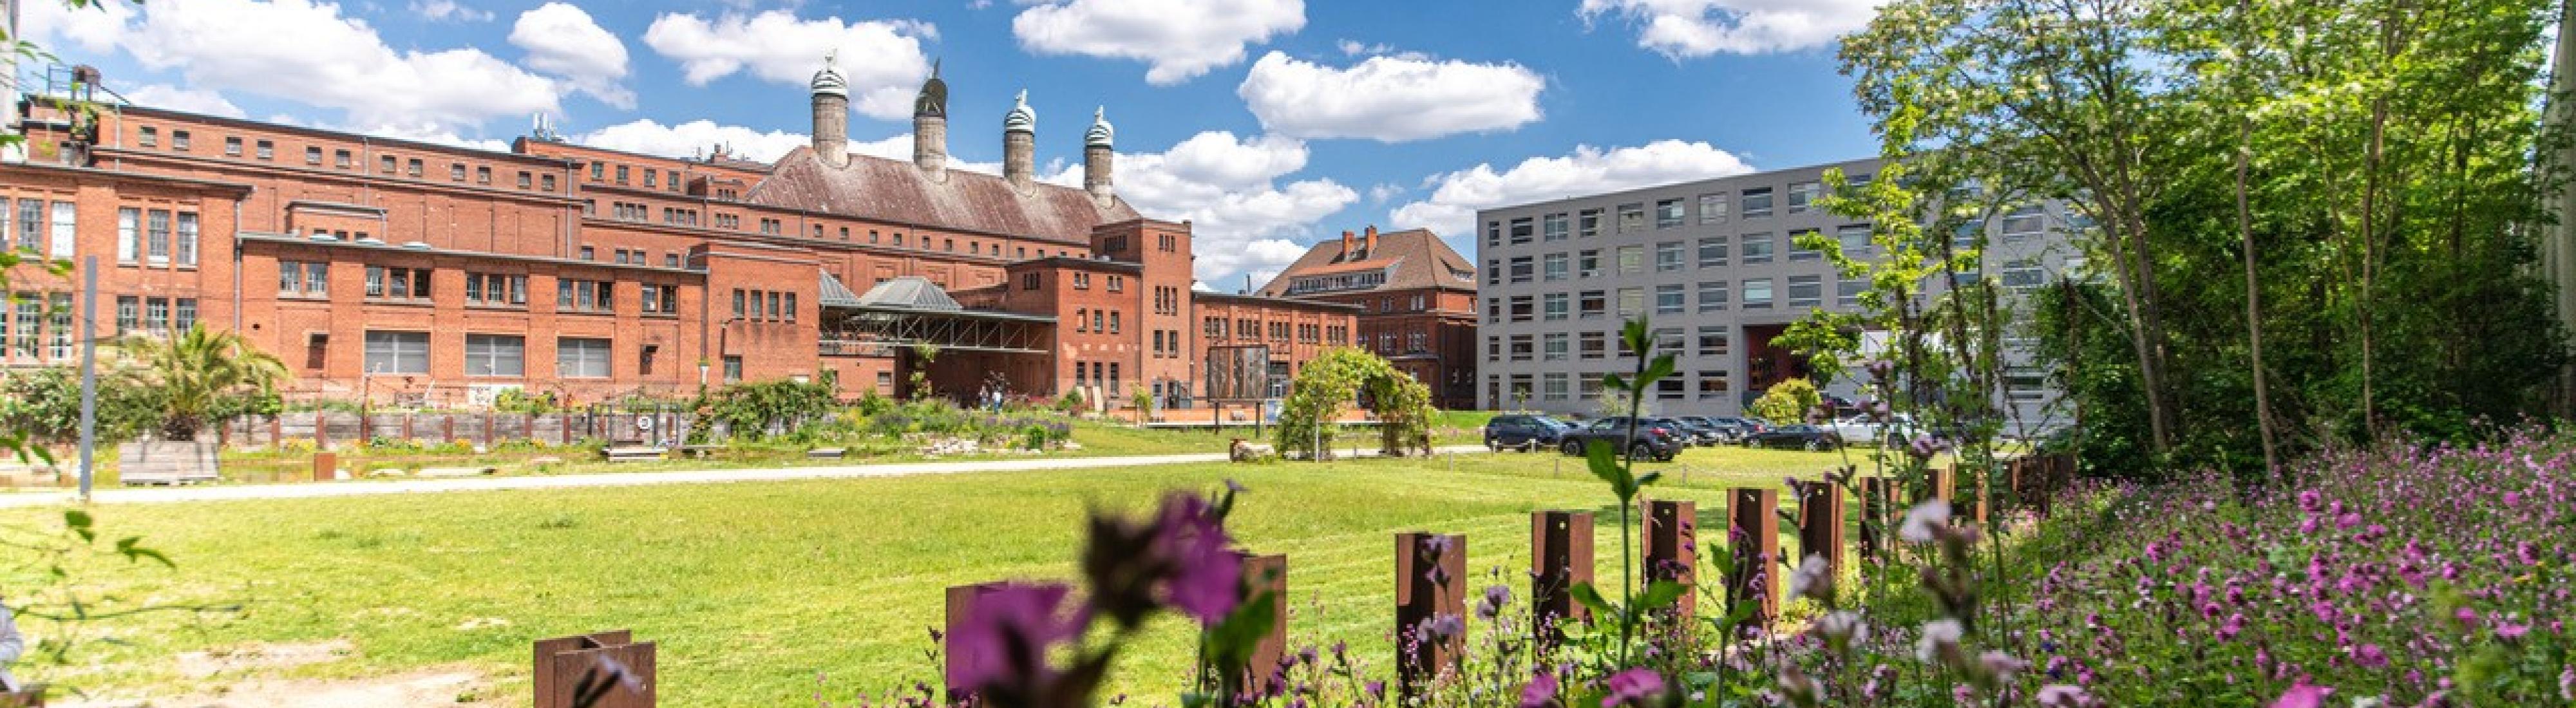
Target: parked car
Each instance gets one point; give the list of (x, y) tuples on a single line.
[(1865, 429), (1660, 441), (1704, 429), (1741, 427), (1523, 432), (1796, 437)]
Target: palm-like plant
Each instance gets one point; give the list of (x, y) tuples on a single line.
[(195, 369)]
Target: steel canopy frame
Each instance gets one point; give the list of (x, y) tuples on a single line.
[(877, 331)]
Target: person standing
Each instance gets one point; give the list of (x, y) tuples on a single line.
[(11, 647)]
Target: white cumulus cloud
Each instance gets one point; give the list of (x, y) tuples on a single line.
[(882, 59), (184, 99), (448, 11), (699, 137), (1455, 197), (306, 52), (56, 26), (1243, 219), (1178, 39), (564, 41), (1389, 98), (1696, 28)]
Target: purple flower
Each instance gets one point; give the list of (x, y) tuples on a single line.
[(2509, 631), (2303, 695), (1496, 596), (1541, 690), (1633, 686), (2002, 665), (2061, 696), (1004, 642), (1205, 576)]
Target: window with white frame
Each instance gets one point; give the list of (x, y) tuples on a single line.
[(1757, 293), (496, 355), (397, 353), (582, 358)]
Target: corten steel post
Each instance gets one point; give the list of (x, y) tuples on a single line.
[(324, 465), (1881, 500), (1940, 483), (1267, 574), (962, 601), (1430, 582), (1820, 525), (1671, 549), (1753, 535), (1972, 504), (1560, 558), (564, 664)]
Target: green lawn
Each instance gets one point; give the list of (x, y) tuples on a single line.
[(754, 589), (1097, 438)]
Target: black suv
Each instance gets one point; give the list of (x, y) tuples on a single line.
[(1658, 439), (1523, 432)]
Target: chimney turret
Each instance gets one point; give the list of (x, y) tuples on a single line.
[(831, 114), (1096, 156), (1020, 144), (930, 125)]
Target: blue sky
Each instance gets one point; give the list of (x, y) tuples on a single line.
[(1269, 123)]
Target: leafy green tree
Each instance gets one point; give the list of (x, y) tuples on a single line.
[(200, 375), (44, 404), (1334, 380)]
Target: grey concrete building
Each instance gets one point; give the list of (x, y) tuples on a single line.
[(1715, 266)]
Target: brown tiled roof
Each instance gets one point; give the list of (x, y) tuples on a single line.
[(897, 191), (1420, 258)]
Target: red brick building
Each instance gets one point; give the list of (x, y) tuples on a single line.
[(1417, 302), (397, 269)]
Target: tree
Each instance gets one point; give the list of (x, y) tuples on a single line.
[(1335, 379), (200, 374), (1788, 402)]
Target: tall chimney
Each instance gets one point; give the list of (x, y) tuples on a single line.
[(1020, 144), (1372, 240), (1096, 156), (1346, 244), (930, 125), (831, 114)]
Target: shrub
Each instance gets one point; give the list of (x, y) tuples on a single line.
[(1788, 402)]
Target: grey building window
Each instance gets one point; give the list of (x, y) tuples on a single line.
[(1806, 290), (1712, 252), (496, 355), (1757, 293), (1757, 202), (1712, 208), (1668, 299), (397, 353), (1757, 248), (1668, 256), (1712, 295)]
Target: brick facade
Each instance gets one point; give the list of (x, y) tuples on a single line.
[(385, 268), (1415, 298)]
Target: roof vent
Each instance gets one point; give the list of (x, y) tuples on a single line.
[(325, 237), (416, 245)]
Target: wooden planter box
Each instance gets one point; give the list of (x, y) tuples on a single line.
[(167, 461)]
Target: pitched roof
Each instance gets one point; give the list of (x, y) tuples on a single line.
[(911, 292), (898, 191), (1415, 258)]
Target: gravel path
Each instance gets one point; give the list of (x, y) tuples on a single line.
[(155, 495)]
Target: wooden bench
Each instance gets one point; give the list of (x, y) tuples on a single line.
[(827, 453), (634, 453)]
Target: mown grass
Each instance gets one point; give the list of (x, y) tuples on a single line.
[(755, 589), (1095, 438)]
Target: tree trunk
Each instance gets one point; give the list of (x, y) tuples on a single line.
[(2254, 298), (2369, 264)]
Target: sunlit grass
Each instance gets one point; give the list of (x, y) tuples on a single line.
[(752, 589)]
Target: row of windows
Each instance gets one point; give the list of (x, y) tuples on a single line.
[(2019, 275), (600, 171), (1217, 328), (161, 237), (1414, 343), (155, 315), (1566, 386), (763, 306), (1671, 256), (311, 280), (1560, 346), (1089, 373), (487, 355), (1713, 207), (1088, 320), (676, 216), (38, 325), (51, 228), (266, 150)]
